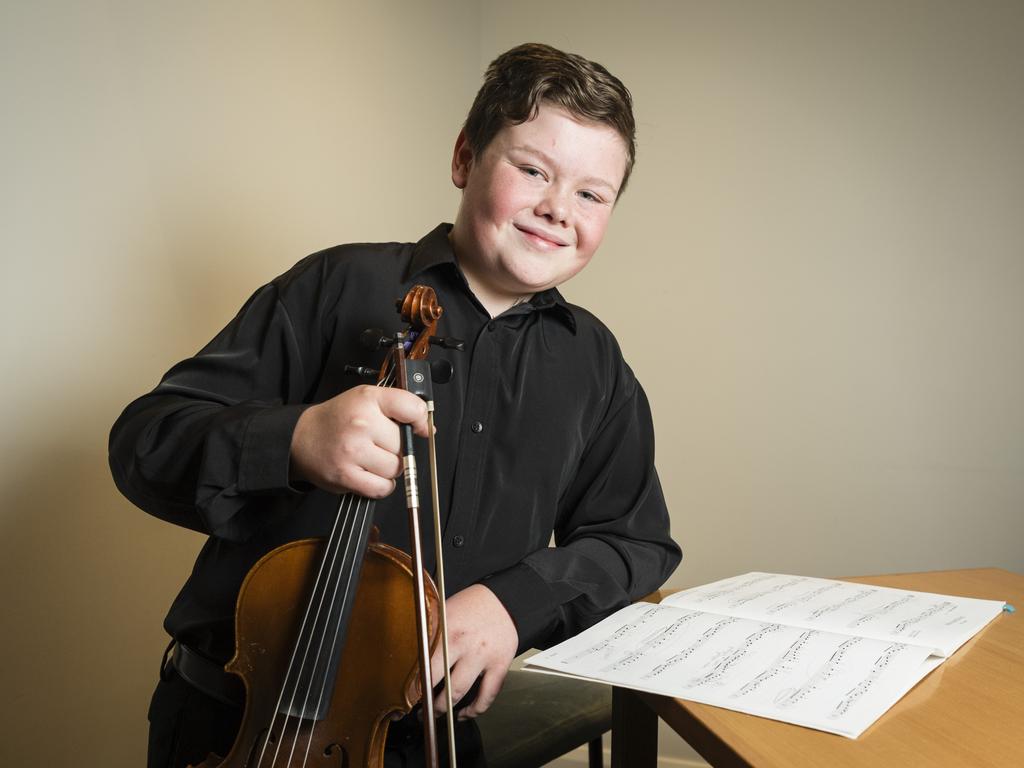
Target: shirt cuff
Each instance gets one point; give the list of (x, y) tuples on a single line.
[(266, 450), (528, 600)]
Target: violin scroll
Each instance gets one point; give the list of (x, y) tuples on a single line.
[(420, 309)]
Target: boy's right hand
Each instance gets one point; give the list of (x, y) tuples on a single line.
[(352, 443)]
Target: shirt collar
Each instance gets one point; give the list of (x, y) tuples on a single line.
[(435, 248)]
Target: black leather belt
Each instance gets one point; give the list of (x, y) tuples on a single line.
[(208, 676)]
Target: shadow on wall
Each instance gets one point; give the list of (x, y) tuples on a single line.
[(86, 579)]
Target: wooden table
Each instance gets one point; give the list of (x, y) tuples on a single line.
[(968, 712)]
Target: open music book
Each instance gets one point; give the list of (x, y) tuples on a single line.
[(830, 655)]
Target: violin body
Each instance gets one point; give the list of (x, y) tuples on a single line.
[(378, 665)]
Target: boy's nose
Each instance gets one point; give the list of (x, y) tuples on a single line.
[(553, 208)]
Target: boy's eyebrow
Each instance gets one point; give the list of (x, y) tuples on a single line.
[(594, 181)]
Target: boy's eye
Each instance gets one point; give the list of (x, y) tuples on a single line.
[(531, 171), (590, 196)]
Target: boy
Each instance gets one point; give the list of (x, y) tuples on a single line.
[(542, 429)]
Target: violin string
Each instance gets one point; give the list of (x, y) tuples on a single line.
[(352, 550), (386, 381), (347, 569), (337, 544), (349, 572), (351, 545), (340, 517)]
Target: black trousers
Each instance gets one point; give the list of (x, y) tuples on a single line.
[(185, 725)]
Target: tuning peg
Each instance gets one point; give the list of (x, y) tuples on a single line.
[(441, 371), (362, 370), (445, 343), (374, 338)]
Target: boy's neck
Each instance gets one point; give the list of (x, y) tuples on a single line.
[(494, 302)]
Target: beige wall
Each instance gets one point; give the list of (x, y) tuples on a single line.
[(161, 160), (818, 273)]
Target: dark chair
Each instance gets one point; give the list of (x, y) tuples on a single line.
[(537, 718)]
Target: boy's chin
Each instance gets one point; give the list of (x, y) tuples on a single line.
[(545, 272), (529, 287)]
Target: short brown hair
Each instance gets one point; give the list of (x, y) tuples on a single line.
[(519, 80)]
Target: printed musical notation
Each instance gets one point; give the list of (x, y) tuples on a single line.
[(825, 654)]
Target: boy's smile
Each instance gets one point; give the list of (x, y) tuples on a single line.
[(535, 205)]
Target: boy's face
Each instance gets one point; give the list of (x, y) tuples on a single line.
[(535, 204)]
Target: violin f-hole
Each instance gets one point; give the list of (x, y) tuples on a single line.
[(330, 749)]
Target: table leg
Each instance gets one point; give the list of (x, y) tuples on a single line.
[(634, 731)]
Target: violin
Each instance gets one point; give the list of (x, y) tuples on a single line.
[(332, 634)]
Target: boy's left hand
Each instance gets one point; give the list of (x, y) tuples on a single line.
[(482, 641)]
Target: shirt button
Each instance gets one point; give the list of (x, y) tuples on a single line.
[(477, 427), (491, 325), (458, 541)]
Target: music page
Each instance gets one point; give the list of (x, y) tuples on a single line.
[(941, 622), (696, 645)]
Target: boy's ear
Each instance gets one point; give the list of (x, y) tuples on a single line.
[(462, 161)]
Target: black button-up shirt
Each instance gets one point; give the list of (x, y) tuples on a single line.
[(543, 429)]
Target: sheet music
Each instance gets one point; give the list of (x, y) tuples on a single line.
[(751, 657)]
